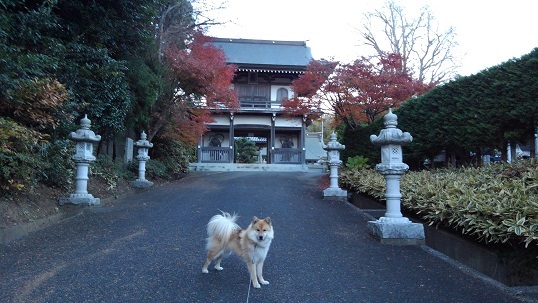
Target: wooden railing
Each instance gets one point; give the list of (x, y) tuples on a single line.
[(215, 155), (258, 104), (222, 155), (288, 156)]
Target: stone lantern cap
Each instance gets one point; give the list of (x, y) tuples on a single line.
[(333, 144), (390, 134), (143, 142), (84, 134)]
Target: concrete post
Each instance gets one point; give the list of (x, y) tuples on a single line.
[(333, 150), (393, 225), (84, 138)]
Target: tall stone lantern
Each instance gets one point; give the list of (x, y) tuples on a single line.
[(84, 138), (143, 147), (333, 149), (393, 225)]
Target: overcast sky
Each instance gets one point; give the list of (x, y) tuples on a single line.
[(489, 32)]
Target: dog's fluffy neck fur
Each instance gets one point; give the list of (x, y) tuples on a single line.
[(246, 240)]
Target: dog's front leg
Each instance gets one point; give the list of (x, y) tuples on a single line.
[(259, 271), (252, 271)]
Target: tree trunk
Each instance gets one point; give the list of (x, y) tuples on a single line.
[(533, 142), (504, 154)]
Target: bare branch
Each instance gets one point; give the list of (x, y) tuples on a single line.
[(427, 51)]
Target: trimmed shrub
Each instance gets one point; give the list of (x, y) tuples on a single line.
[(496, 203)]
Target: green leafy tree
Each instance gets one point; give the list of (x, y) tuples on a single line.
[(245, 151), (357, 162), (475, 113)]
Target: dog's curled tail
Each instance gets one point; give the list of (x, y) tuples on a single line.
[(222, 226)]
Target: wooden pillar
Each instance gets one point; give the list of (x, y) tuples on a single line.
[(303, 141), (271, 148), (232, 140), (199, 151)]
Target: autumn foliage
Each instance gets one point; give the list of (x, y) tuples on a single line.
[(356, 93), (36, 106), (37, 103), (202, 82)]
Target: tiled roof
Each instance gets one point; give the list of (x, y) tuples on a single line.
[(265, 53)]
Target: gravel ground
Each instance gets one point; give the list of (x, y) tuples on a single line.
[(150, 247)]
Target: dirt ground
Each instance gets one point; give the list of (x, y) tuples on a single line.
[(42, 201)]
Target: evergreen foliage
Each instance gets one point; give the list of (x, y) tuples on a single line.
[(476, 113), (245, 151), (357, 162), (467, 117), (496, 203), (357, 141), (62, 59)]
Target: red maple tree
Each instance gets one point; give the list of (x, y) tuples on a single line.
[(201, 83), (356, 93)]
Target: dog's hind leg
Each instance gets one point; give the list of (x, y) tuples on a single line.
[(212, 253), (204, 268), (259, 272), (217, 263)]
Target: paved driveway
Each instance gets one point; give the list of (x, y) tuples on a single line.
[(150, 248)]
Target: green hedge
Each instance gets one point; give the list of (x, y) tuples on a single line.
[(496, 203)]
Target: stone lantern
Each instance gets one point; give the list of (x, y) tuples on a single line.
[(393, 225), (143, 147), (333, 149), (84, 138)]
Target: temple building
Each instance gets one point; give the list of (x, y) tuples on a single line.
[(265, 71)]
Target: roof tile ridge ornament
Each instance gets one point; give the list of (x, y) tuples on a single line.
[(391, 134)]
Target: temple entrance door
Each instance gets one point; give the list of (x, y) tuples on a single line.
[(260, 142)]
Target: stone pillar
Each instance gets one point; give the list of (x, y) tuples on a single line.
[(84, 138), (143, 146), (509, 153), (393, 227), (333, 149), (536, 144), (128, 150)]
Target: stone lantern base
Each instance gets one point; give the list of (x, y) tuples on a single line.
[(399, 231), (334, 193), (80, 199), (141, 183)]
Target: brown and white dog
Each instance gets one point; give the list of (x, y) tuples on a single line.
[(251, 244)]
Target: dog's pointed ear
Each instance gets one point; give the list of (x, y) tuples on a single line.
[(268, 220), (255, 219)]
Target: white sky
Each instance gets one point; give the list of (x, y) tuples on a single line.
[(489, 32)]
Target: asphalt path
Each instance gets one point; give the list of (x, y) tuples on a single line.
[(150, 247)]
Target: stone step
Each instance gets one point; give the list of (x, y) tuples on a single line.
[(256, 167)]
